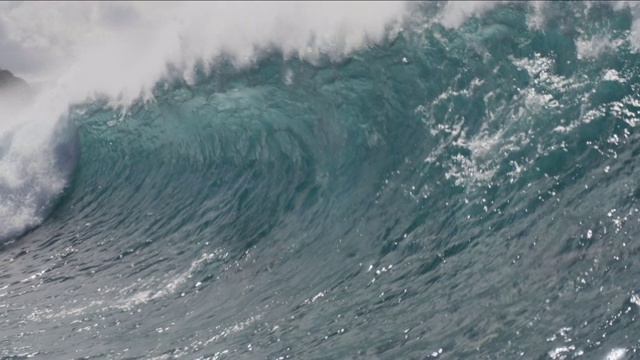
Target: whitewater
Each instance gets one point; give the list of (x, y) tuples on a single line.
[(319, 180)]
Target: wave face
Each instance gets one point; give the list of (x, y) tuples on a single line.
[(467, 189)]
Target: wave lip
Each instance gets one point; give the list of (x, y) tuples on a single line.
[(34, 174)]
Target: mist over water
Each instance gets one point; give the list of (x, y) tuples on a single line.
[(319, 180)]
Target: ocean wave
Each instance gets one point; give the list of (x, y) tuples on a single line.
[(458, 183)]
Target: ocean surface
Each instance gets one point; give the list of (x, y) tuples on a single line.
[(455, 191)]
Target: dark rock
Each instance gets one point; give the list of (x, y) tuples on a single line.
[(13, 89), (7, 79)]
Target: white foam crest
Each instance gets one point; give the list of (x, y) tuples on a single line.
[(122, 49), (455, 13), (616, 354), (535, 20), (634, 7), (593, 46), (596, 46)]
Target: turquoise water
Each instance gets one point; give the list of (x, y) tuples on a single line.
[(456, 193)]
